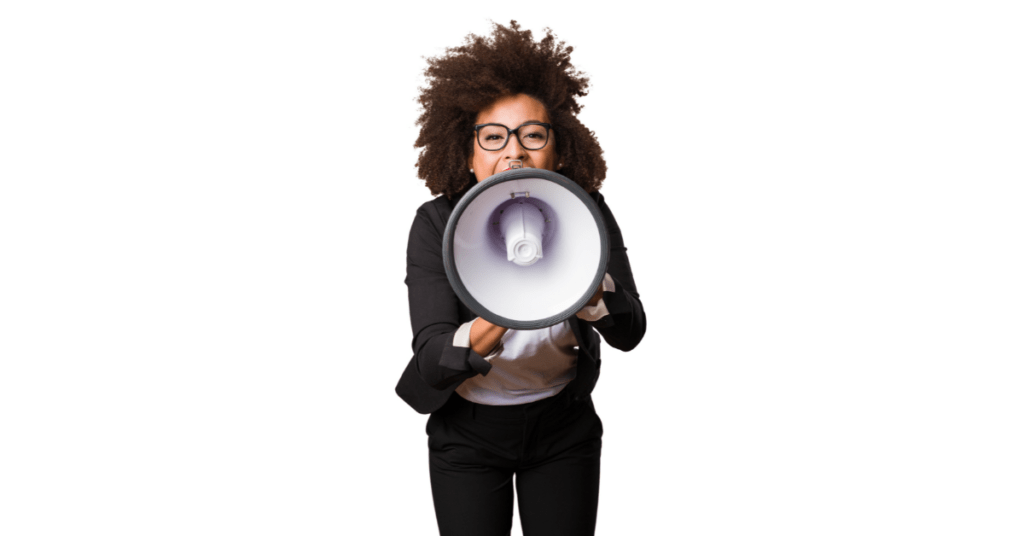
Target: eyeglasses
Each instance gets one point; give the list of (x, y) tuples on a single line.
[(495, 136)]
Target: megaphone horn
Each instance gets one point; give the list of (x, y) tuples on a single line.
[(526, 248)]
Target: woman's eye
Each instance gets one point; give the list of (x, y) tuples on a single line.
[(494, 137)]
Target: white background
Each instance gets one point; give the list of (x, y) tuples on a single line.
[(203, 218)]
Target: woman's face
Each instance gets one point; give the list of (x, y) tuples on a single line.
[(513, 111)]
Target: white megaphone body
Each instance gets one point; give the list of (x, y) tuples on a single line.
[(526, 248)]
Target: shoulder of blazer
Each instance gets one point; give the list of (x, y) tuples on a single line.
[(439, 209)]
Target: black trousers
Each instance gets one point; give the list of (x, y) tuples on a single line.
[(552, 446)]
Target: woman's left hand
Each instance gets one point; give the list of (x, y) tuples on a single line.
[(597, 296)]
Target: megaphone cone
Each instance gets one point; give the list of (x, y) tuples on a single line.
[(526, 248)]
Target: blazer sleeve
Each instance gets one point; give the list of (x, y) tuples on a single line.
[(625, 324), (441, 360)]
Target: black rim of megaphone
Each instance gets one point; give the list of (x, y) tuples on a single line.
[(449, 250)]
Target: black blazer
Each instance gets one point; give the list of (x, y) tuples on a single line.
[(437, 367)]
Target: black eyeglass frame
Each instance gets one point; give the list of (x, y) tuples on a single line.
[(547, 135)]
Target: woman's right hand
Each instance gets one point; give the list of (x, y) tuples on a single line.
[(484, 336)]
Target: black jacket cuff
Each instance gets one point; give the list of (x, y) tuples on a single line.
[(462, 359)]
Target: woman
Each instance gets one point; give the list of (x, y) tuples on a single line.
[(508, 402)]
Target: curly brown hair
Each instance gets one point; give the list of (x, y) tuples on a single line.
[(467, 79)]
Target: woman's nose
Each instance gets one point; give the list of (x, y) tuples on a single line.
[(514, 149)]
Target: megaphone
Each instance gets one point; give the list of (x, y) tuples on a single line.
[(526, 248)]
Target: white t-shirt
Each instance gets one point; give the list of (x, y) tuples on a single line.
[(528, 365)]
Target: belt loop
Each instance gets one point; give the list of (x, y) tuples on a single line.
[(472, 410)]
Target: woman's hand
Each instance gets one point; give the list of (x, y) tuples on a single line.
[(484, 336), (597, 296)]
